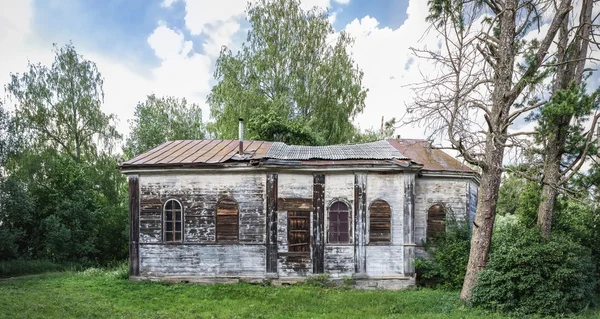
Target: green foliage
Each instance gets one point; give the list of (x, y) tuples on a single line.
[(509, 195), (528, 274), (161, 119), (449, 254), (58, 107), (63, 198), (272, 127), (288, 67), (578, 219), (529, 201), (319, 280)]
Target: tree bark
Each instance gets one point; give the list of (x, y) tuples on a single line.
[(572, 62)]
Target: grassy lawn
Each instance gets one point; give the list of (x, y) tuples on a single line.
[(102, 294)]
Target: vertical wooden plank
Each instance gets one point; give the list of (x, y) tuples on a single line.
[(271, 223), (409, 223), (318, 224), (360, 223), (134, 226)]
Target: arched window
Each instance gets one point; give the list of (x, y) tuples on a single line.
[(173, 225), (380, 220), (436, 220), (339, 229), (227, 221)]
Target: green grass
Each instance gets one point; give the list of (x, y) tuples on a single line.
[(12, 268), (105, 294)]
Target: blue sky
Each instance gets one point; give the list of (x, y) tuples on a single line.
[(169, 47), (119, 28)]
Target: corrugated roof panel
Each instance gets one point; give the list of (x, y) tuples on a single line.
[(432, 159), (167, 147), (373, 150)]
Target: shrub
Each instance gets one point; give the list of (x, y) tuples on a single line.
[(446, 264), (528, 274)]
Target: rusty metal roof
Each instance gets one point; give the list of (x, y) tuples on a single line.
[(432, 159), (378, 150), (213, 152), (189, 152)]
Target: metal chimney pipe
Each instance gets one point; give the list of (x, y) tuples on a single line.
[(241, 135)]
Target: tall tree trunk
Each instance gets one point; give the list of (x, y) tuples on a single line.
[(483, 225), (570, 69)]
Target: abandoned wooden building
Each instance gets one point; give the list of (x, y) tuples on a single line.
[(227, 210)]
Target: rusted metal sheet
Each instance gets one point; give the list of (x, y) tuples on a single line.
[(432, 159), (189, 152), (403, 153)]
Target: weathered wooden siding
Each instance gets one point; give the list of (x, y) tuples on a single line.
[(199, 194), (339, 258), (431, 190), (203, 260), (134, 225), (386, 259), (295, 191)]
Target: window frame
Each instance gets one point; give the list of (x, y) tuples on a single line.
[(443, 221), (390, 239), (237, 205), (349, 222), (174, 221)]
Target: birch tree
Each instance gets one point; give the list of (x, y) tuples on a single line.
[(294, 66), (60, 106), (488, 73)]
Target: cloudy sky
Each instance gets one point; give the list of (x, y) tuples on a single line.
[(169, 47)]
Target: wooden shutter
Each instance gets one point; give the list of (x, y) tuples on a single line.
[(227, 221), (299, 231), (380, 218), (436, 220)]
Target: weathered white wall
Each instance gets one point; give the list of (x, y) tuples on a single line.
[(432, 190), (202, 260), (199, 194), (387, 259)]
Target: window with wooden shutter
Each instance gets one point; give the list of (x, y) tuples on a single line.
[(339, 225), (299, 231), (436, 220), (380, 220), (227, 221), (173, 222)]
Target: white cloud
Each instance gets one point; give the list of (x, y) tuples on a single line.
[(384, 56)]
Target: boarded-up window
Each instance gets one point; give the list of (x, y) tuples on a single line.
[(173, 215), (436, 220), (227, 221), (299, 231), (339, 230), (380, 218)]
